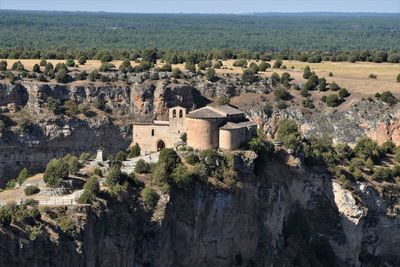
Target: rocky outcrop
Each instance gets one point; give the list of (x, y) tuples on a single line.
[(156, 98), (114, 97), (371, 118), (56, 137), (13, 94)]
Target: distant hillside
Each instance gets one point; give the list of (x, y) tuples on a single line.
[(258, 32)]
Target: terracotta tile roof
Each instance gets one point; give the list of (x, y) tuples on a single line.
[(205, 113), (232, 125), (214, 112), (228, 110)]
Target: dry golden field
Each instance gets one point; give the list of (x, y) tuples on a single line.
[(353, 76)]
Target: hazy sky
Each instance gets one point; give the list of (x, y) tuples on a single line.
[(206, 6)]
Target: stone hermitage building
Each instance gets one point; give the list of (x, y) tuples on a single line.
[(222, 127)]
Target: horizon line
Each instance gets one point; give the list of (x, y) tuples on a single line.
[(205, 13)]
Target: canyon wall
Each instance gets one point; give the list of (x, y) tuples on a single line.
[(286, 216)]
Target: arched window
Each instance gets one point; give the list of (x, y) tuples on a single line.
[(174, 113), (152, 132), (180, 113)]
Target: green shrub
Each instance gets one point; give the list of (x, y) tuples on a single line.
[(11, 184), (389, 147), (36, 68), (93, 76), (106, 66), (357, 174), (254, 67), (181, 177), (84, 108), (73, 163), (176, 73), (98, 172), (71, 108), (263, 66), (10, 76), (223, 100), (166, 67), (170, 158), (66, 225), (334, 87), (249, 76), (82, 60), (31, 190), (343, 93), (18, 66), (42, 78), (210, 74), (395, 170), (134, 151), (322, 84), (90, 190), (344, 151), (70, 62), (31, 202), (23, 175), (121, 156), (53, 104), (61, 76), (240, 63), (85, 156), (281, 94), (217, 64), (368, 149), (397, 154), (289, 134), (308, 103), (3, 65), (332, 100), (5, 215), (388, 98), (304, 92), (382, 174), (149, 197), (56, 172), (277, 64), (275, 77), (142, 166), (160, 173), (114, 176), (192, 158)]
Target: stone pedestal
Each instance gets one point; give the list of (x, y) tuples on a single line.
[(99, 156)]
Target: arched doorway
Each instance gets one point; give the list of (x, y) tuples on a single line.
[(160, 145)]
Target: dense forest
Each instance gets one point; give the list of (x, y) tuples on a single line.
[(262, 32)]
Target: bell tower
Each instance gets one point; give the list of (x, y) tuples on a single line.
[(177, 117)]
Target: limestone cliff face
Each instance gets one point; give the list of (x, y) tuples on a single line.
[(13, 93), (56, 137), (284, 217), (155, 98), (374, 119), (104, 236), (115, 97)]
